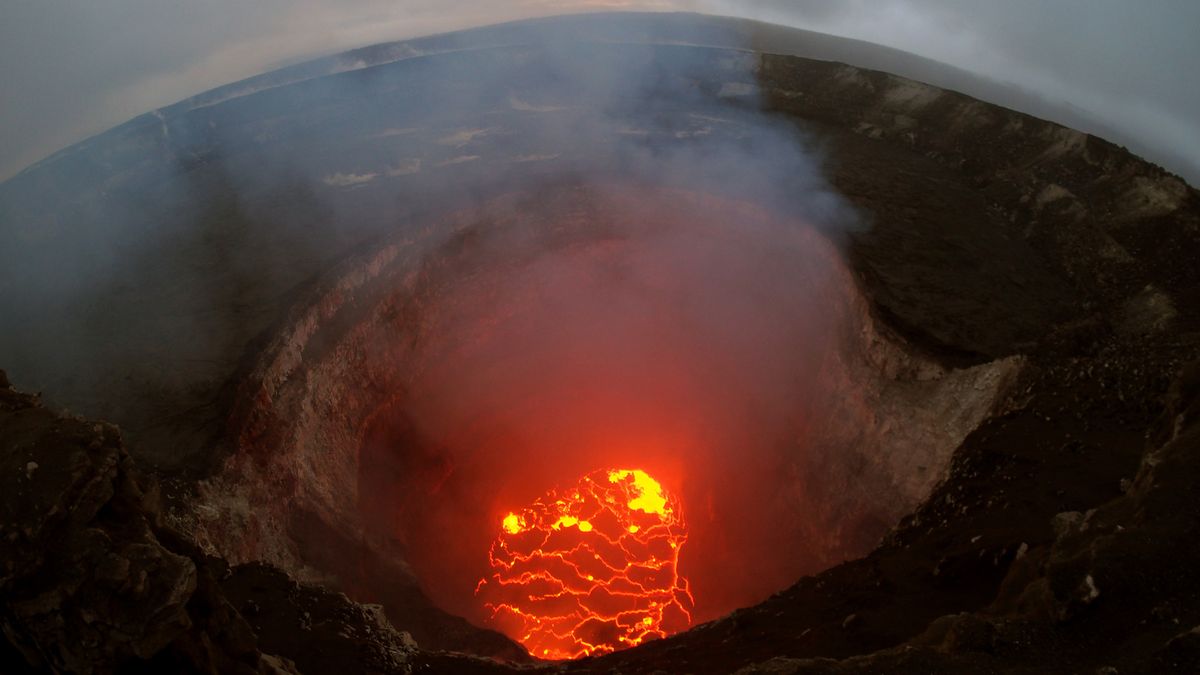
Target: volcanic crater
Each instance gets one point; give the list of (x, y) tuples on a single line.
[(910, 367), (404, 406)]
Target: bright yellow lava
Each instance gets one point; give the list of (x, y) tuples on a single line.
[(512, 523), (570, 521), (590, 570), (650, 497)]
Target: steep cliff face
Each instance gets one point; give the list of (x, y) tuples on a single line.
[(358, 359)]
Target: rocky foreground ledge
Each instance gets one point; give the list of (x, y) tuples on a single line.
[(93, 581), (1119, 580)]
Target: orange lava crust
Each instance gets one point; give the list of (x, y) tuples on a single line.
[(591, 569)]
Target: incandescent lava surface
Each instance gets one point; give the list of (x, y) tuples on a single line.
[(591, 568)]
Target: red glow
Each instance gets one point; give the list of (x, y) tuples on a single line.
[(672, 332), (591, 569)]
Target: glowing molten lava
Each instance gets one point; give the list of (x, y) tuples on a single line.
[(591, 569)]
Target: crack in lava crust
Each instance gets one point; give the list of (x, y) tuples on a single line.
[(592, 569)]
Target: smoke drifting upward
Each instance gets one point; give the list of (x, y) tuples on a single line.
[(666, 340), (612, 325), (671, 310), (641, 272)]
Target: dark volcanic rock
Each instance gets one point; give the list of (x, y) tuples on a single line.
[(1114, 591), (86, 582), (92, 582), (320, 631)]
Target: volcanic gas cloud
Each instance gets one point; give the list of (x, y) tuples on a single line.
[(669, 346), (591, 569)]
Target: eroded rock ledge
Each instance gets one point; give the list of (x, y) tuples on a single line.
[(92, 582)]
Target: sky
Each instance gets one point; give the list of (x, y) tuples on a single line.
[(73, 68)]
